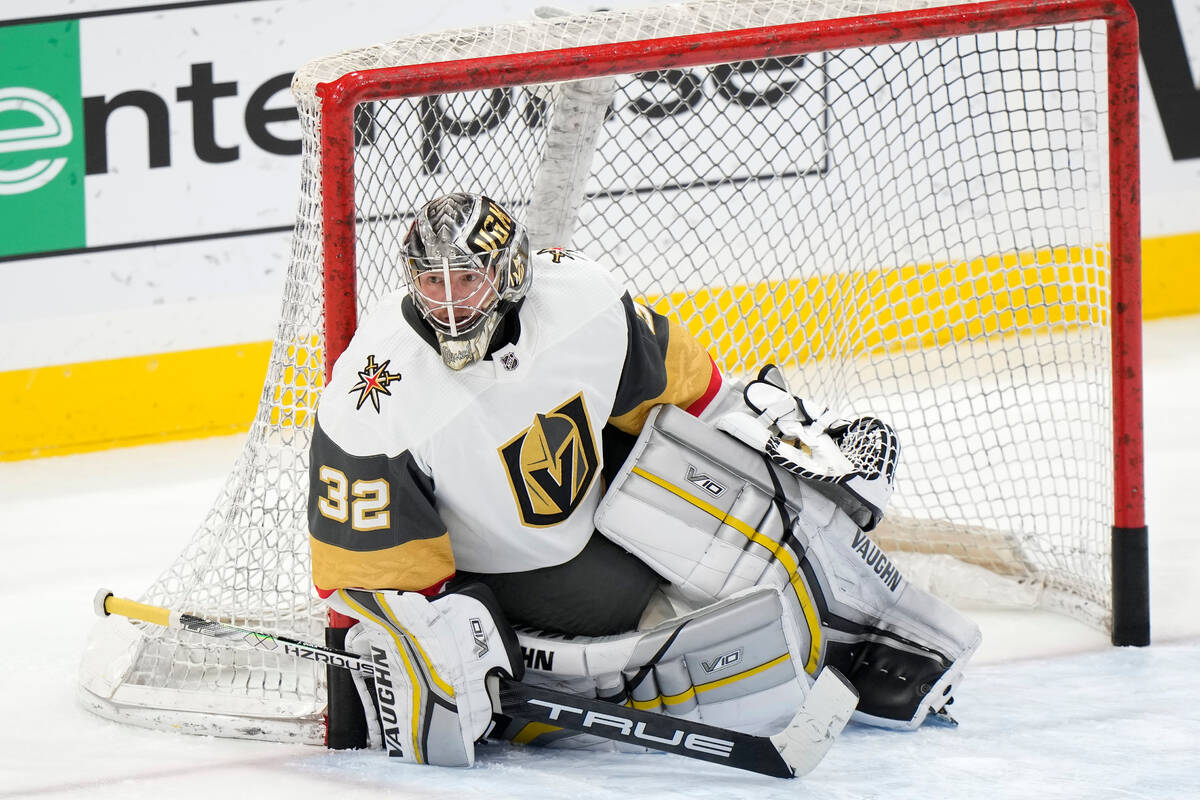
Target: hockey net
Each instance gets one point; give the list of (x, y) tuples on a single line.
[(927, 214)]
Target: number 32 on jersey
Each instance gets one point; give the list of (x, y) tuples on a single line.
[(362, 503)]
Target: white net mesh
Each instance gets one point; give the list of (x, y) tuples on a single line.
[(916, 231)]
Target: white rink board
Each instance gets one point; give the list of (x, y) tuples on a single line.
[(134, 294)]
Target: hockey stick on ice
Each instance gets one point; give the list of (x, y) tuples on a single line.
[(794, 751)]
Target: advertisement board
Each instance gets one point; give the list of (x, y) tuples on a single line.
[(149, 176)]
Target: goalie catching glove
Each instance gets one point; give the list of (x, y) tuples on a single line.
[(852, 462), (428, 702)]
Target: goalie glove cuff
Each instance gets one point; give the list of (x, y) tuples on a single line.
[(784, 414), (856, 460), (821, 460)]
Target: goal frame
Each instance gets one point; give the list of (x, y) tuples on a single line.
[(340, 98)]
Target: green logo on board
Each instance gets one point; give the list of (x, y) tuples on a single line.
[(41, 139)]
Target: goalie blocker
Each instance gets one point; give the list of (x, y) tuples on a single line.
[(714, 517)]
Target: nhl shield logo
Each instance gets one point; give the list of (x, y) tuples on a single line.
[(552, 464)]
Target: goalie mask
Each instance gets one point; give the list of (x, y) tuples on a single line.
[(466, 265)]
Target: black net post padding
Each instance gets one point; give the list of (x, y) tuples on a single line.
[(1131, 586)]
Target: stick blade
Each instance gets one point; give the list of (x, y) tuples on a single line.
[(818, 723)]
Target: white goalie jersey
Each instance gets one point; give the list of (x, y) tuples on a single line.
[(418, 470)]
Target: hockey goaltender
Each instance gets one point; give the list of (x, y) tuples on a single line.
[(518, 468)]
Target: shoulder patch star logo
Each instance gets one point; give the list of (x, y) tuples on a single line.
[(557, 254), (373, 381)]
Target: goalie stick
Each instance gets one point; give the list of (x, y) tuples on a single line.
[(794, 751)]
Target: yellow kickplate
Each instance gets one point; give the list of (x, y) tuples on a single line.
[(95, 405)]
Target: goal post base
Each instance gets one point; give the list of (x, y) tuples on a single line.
[(164, 715), (1131, 586)]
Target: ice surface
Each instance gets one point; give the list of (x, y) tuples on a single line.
[(1049, 710)]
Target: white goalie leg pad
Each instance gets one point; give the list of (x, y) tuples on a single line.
[(736, 664), (713, 517), (431, 659), (904, 649)]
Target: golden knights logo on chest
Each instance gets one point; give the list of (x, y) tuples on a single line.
[(552, 463)]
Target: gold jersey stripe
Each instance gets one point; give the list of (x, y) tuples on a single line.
[(689, 373), (407, 567), (775, 548)]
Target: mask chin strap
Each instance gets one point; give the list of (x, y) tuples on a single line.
[(449, 296)]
